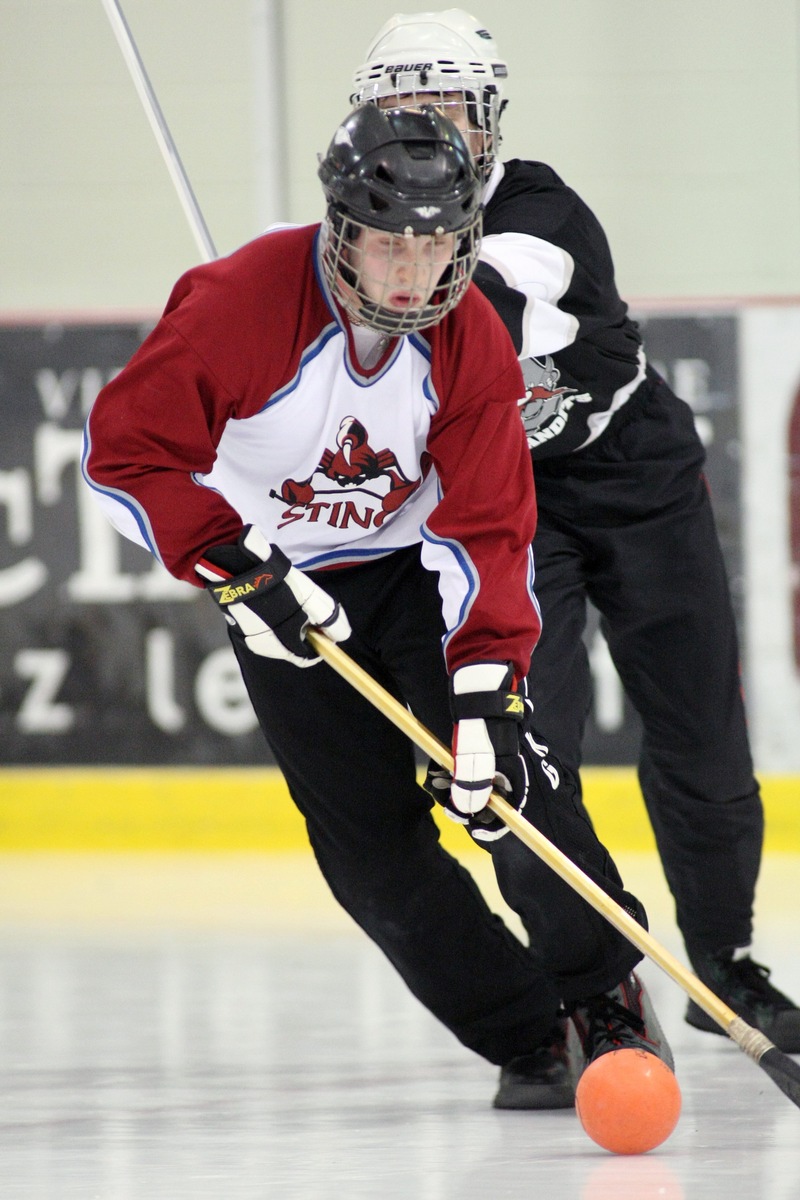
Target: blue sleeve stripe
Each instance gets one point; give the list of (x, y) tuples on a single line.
[(122, 498)]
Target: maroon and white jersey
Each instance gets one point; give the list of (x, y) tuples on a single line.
[(247, 404)]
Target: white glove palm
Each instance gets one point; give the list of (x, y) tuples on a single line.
[(486, 749)]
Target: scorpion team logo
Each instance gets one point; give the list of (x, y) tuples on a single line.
[(351, 485)]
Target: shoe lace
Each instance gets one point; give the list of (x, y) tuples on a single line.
[(753, 978), (608, 1020)]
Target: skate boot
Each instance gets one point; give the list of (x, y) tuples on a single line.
[(744, 986), (545, 1078), (622, 1019)]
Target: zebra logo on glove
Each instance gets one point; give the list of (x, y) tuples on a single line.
[(228, 594)]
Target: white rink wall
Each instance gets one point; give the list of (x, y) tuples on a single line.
[(770, 386), (679, 123)]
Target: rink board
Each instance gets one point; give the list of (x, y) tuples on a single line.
[(248, 808)]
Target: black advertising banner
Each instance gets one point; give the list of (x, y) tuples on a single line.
[(107, 660)]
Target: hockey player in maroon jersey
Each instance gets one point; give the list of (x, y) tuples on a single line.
[(624, 515), (285, 362)]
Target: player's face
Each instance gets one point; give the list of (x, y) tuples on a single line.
[(450, 105), (400, 272)]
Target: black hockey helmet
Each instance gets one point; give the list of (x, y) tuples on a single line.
[(407, 172), (399, 168)]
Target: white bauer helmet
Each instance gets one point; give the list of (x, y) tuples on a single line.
[(447, 54)]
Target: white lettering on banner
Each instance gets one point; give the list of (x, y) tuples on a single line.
[(39, 712), (690, 379), (159, 651), (58, 390), (220, 694), (99, 578), (15, 494), (22, 580), (218, 691), (609, 702), (60, 553)]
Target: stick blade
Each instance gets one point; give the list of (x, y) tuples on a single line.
[(783, 1072)]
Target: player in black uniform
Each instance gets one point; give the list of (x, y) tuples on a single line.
[(625, 519)]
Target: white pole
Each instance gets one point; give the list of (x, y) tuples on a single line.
[(269, 120), (161, 130)]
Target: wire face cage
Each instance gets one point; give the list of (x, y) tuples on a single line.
[(396, 283)]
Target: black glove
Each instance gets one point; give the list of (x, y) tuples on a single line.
[(269, 602), (489, 720)]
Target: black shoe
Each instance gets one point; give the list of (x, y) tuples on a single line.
[(744, 986), (622, 1019), (544, 1078)]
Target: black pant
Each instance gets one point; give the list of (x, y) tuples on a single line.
[(353, 777), (628, 524)]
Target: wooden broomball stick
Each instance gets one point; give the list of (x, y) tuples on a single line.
[(781, 1069)]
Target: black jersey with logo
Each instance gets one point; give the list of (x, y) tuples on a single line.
[(546, 266)]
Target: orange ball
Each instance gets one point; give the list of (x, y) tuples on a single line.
[(628, 1101)]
